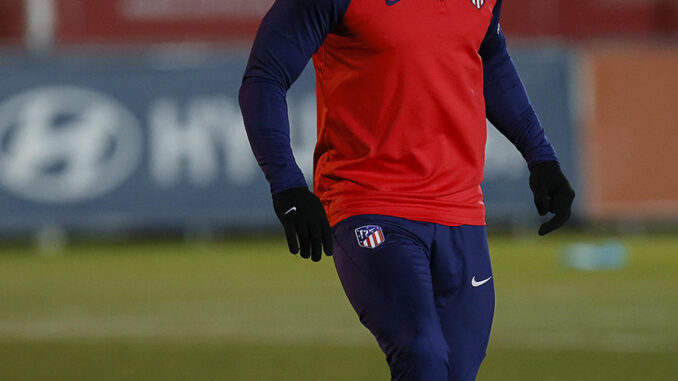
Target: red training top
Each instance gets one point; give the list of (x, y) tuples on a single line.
[(401, 112), (403, 87)]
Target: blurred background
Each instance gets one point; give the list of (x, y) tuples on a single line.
[(138, 242)]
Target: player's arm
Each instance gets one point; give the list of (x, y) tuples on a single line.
[(510, 111), (290, 33)]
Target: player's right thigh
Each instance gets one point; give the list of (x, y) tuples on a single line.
[(383, 265)]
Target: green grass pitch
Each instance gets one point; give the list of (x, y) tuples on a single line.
[(246, 310)]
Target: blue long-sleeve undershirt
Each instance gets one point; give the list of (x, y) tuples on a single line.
[(289, 35), (506, 103)]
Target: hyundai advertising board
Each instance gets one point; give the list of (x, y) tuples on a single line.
[(143, 143)]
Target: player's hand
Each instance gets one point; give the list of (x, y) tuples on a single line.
[(552, 193), (305, 222)]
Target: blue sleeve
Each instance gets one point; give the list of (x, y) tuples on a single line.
[(506, 102), (290, 33)]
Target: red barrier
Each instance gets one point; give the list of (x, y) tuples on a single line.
[(11, 21), (580, 18), (133, 21), (141, 21)]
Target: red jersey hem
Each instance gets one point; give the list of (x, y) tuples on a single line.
[(447, 219)]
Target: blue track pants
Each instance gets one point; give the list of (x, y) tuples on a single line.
[(424, 290)]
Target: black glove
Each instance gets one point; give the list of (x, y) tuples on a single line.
[(552, 193), (302, 215)]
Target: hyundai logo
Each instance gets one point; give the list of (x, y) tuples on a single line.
[(66, 144)]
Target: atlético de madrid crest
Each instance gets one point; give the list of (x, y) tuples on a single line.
[(369, 236), (478, 3)]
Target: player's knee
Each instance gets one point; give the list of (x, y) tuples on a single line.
[(427, 349), (421, 357)]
